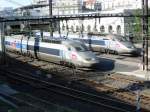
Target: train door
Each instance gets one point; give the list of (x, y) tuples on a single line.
[(113, 44), (23, 45), (107, 44), (71, 54), (68, 53)]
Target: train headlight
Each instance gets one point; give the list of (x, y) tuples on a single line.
[(93, 59), (88, 59), (131, 47)]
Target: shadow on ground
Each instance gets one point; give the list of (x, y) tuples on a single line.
[(105, 65)]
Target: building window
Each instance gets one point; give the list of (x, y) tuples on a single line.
[(72, 28), (77, 28), (63, 27), (118, 29), (102, 29), (89, 28), (110, 29), (95, 29), (82, 28)]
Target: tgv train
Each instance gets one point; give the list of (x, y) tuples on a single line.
[(67, 52), (107, 43)]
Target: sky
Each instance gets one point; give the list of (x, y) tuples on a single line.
[(14, 3)]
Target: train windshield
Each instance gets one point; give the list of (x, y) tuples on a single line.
[(80, 48), (121, 38)]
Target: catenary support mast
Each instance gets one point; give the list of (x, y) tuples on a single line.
[(50, 15), (2, 45), (145, 34)]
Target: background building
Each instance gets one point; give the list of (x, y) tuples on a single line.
[(117, 25)]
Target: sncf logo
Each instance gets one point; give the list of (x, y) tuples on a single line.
[(73, 56), (13, 44)]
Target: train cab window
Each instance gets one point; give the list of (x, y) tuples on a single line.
[(78, 48), (69, 48), (121, 38), (113, 39), (105, 39), (81, 48)]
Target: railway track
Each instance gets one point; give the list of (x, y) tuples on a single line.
[(98, 80), (29, 103), (20, 102), (104, 102), (127, 92), (56, 69), (136, 59)]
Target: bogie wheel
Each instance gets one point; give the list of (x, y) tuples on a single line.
[(72, 66), (116, 53)]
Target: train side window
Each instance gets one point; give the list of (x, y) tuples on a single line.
[(69, 48), (105, 39), (113, 39)]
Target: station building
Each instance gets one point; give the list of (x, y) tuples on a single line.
[(116, 25)]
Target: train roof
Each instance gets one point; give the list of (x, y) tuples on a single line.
[(97, 34), (60, 41), (50, 40), (113, 35)]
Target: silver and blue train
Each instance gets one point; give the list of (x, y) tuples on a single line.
[(66, 52), (107, 43)]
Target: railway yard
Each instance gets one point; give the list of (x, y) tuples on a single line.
[(74, 56), (31, 85)]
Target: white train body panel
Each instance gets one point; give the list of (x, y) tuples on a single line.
[(109, 42), (67, 51)]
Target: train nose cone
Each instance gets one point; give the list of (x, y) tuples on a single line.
[(136, 52), (87, 54)]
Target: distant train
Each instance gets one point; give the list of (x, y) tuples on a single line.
[(107, 43), (66, 52)]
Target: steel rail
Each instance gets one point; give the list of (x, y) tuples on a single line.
[(19, 101), (77, 94)]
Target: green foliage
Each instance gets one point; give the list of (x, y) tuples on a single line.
[(149, 26), (137, 26)]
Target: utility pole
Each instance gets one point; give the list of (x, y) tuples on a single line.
[(145, 34), (2, 44), (50, 15)]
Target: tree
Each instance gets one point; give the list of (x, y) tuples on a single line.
[(137, 24)]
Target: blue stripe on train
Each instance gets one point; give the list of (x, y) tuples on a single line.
[(18, 45), (50, 51), (98, 42), (7, 43), (24, 46), (95, 42)]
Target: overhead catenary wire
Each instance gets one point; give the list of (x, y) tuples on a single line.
[(14, 2), (18, 3)]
